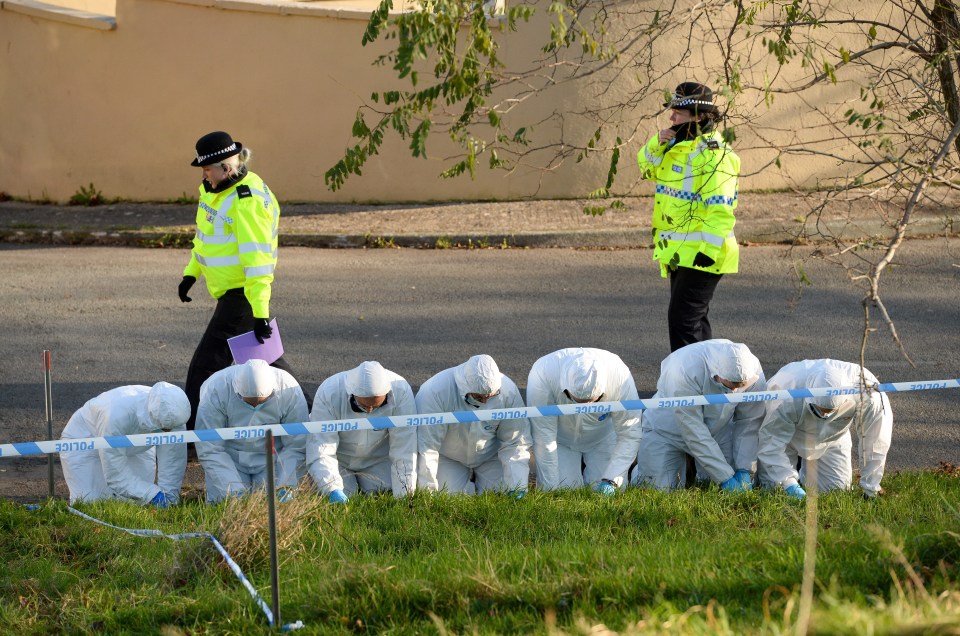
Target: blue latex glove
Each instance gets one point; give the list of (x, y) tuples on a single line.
[(338, 496), (606, 488), (735, 485), (745, 479), (794, 490), (284, 494), (160, 500), (517, 493)]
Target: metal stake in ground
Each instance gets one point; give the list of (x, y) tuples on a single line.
[(48, 398), (272, 523)]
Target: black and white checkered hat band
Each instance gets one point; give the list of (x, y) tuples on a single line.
[(230, 148), (680, 103)]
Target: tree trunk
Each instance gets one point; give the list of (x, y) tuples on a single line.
[(946, 27)]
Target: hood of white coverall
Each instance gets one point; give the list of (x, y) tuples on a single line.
[(733, 362), (582, 377), (367, 380), (166, 407), (829, 376), (479, 374), (255, 379)]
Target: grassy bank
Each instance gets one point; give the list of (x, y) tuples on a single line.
[(698, 561)]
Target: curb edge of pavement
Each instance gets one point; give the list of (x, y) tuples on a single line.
[(747, 233)]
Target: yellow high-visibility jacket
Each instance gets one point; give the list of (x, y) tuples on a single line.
[(236, 241), (696, 194)]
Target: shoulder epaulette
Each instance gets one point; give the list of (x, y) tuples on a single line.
[(243, 191), (713, 144)]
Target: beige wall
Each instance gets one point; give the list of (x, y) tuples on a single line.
[(122, 108)]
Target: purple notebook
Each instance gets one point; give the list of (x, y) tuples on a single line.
[(245, 346)]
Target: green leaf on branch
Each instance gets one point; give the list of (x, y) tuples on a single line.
[(378, 20), (614, 159), (360, 128), (418, 142), (455, 171)]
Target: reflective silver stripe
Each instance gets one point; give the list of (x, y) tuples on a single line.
[(226, 203), (222, 210), (267, 197), (218, 261), (268, 204), (246, 248), (276, 211), (652, 159), (211, 239), (705, 237), (262, 270), (688, 171)]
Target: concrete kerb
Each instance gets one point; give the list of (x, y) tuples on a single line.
[(747, 233), (769, 219)]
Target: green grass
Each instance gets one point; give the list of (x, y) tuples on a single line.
[(697, 561)]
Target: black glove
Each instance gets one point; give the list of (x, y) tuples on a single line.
[(702, 260), (262, 329), (185, 286)]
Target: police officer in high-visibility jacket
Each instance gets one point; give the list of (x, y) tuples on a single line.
[(235, 248), (697, 175)]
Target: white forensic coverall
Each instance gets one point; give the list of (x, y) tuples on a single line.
[(791, 428), (235, 466), (365, 460), (136, 473), (498, 452), (604, 441), (721, 437)]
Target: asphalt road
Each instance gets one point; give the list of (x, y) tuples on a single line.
[(111, 316)]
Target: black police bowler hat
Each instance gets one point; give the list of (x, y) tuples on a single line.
[(214, 147), (693, 97)]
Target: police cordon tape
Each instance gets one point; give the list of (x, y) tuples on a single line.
[(22, 449), (140, 532)]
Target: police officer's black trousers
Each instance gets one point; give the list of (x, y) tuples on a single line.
[(690, 293), (232, 317)]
